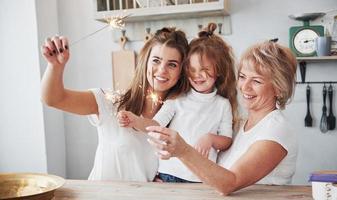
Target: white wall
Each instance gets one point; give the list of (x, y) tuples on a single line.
[(89, 66), (31, 136), (22, 141), (47, 19)]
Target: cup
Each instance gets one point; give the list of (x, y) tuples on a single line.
[(323, 45)]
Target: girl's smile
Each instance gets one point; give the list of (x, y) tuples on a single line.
[(201, 74)]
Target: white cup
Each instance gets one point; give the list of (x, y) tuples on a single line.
[(323, 45), (324, 190)]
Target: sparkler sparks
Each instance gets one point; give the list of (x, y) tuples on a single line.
[(114, 22), (155, 98), (117, 21), (113, 97)]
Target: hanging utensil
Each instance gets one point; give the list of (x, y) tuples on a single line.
[(324, 123), (331, 118), (308, 118)]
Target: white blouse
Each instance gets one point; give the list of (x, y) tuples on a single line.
[(273, 127), (122, 154)]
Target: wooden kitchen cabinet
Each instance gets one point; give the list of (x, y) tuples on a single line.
[(144, 10)]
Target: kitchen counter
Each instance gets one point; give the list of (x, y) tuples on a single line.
[(83, 189)]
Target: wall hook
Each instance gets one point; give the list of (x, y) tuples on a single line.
[(148, 34), (148, 30), (123, 39), (123, 32), (220, 28), (200, 27)]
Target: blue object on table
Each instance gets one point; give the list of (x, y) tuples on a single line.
[(323, 177)]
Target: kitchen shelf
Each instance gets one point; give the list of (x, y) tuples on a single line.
[(303, 63), (150, 10), (316, 58), (317, 82)]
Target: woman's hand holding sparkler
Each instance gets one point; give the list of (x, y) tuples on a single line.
[(56, 51), (167, 142)]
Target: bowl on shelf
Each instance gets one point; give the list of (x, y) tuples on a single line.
[(28, 185)]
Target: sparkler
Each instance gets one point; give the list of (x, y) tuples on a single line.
[(117, 22), (113, 97), (114, 22), (155, 98)]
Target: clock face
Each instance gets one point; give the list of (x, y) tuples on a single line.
[(304, 41)]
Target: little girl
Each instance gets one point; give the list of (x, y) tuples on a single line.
[(205, 115)]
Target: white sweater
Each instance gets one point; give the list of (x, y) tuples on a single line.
[(192, 116)]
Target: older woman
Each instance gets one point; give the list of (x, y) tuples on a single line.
[(265, 148)]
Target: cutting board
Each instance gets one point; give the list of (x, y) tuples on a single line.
[(123, 66)]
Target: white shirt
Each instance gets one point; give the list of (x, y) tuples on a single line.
[(122, 153), (192, 116), (273, 127)]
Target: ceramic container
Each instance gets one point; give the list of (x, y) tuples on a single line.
[(324, 185)]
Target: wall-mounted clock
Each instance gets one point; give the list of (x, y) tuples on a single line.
[(302, 38)]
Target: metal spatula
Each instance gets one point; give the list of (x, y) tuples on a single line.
[(308, 118), (331, 118)]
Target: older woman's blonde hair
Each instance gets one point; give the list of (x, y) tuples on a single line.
[(134, 98), (277, 63)]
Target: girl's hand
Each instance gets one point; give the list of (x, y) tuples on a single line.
[(56, 51), (204, 144), (157, 179), (126, 119), (168, 143)]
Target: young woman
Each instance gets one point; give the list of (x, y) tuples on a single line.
[(122, 154)]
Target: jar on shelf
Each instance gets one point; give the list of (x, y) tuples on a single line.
[(334, 35)]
